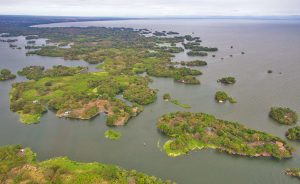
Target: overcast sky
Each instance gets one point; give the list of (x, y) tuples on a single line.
[(144, 8)]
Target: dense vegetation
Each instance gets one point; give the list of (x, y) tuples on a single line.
[(189, 131), (195, 46), (118, 50), (295, 172), (140, 94), (196, 53), (19, 165), (167, 96), (222, 96), (112, 134), (187, 79), (79, 95), (38, 72), (293, 133), (73, 93), (227, 80), (193, 63), (6, 74), (283, 115)]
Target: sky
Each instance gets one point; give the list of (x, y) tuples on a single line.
[(150, 8)]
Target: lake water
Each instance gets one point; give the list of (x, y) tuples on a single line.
[(268, 44)]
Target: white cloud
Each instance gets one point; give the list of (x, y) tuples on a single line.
[(150, 7)]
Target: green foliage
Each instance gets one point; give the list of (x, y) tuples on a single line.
[(79, 96), (191, 131), (176, 102), (221, 96), (90, 112), (6, 74), (283, 115), (194, 63), (38, 72), (140, 94), (195, 46), (112, 134), (196, 53), (30, 118), (51, 51), (295, 172), (19, 165), (172, 49), (293, 133), (167, 96), (227, 80), (13, 156), (188, 79), (120, 51)]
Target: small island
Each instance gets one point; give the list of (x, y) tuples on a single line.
[(6, 74), (188, 79), (193, 63), (19, 165), (293, 133), (295, 172), (190, 131), (283, 115), (112, 134), (167, 97), (196, 53), (227, 80), (222, 97)]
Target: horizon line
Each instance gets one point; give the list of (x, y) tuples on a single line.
[(171, 16)]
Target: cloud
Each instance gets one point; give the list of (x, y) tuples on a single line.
[(150, 7)]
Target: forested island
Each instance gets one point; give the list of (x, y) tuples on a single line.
[(193, 63), (6, 74), (19, 165), (227, 80), (190, 131), (283, 115), (293, 133), (222, 97), (295, 172), (112, 134)]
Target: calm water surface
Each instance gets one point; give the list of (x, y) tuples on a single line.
[(273, 45)]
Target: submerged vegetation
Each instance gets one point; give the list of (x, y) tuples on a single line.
[(19, 165), (167, 97), (190, 131), (283, 115), (6, 74), (293, 133), (112, 134), (222, 96)]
